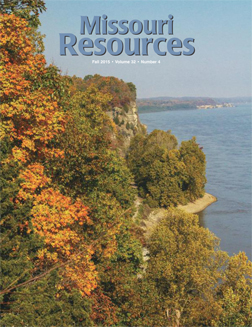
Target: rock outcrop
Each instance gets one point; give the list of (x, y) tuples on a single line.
[(127, 123)]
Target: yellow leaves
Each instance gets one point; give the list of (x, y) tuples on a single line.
[(56, 218), (81, 273), (29, 113), (32, 119), (12, 38), (27, 143), (19, 154), (193, 274), (34, 179)]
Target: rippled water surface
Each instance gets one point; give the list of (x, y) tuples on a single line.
[(225, 134)]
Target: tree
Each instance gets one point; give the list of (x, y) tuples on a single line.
[(27, 9), (30, 107), (159, 173), (194, 276), (195, 165), (92, 171), (132, 88), (234, 294), (167, 175), (122, 93), (43, 230)]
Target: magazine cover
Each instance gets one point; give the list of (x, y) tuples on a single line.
[(126, 163)]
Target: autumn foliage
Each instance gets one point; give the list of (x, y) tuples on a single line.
[(71, 241), (31, 111), (55, 161), (122, 93), (32, 119)]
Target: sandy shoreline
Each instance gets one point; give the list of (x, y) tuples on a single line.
[(156, 215), (199, 204)]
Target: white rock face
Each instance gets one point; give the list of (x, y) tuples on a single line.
[(133, 115), (128, 123)]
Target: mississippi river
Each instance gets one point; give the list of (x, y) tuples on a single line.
[(225, 134)]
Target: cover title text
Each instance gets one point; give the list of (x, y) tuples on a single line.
[(132, 46)]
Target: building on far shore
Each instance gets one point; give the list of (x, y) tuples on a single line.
[(209, 106)]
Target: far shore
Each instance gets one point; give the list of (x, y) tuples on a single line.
[(199, 204)]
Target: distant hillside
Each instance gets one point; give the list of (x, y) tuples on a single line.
[(235, 100), (173, 103)]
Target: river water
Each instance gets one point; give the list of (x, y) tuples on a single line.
[(225, 134)]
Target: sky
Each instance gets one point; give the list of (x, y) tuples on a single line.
[(220, 66)]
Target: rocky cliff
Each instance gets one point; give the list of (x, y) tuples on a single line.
[(122, 106), (127, 123)]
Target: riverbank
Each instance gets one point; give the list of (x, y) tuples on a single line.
[(153, 216), (230, 217), (199, 204)]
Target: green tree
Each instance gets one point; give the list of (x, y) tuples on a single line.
[(195, 166), (27, 9), (122, 93), (234, 294), (24, 301), (154, 161), (192, 275), (165, 174), (132, 88), (92, 171)]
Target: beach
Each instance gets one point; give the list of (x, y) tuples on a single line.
[(199, 204)]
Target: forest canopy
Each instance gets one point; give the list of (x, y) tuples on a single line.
[(167, 175), (71, 236)]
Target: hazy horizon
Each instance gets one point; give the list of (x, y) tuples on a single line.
[(194, 97), (220, 66)]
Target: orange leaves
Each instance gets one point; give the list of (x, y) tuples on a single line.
[(33, 121), (34, 179), (13, 37), (59, 221), (19, 155), (55, 214), (32, 98), (29, 144), (81, 273), (31, 114)]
